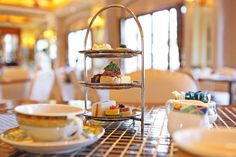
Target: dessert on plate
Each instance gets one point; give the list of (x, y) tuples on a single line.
[(101, 47), (112, 111), (125, 111), (122, 47), (109, 108), (111, 75), (200, 99), (98, 108)]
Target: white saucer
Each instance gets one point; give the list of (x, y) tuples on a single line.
[(19, 140), (207, 142)]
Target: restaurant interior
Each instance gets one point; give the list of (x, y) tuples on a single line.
[(53, 52)]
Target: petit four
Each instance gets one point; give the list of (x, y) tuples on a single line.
[(125, 111), (98, 108), (109, 108), (111, 75), (113, 111)]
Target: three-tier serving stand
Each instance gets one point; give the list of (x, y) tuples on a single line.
[(116, 54)]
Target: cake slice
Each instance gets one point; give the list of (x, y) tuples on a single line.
[(109, 79), (111, 75), (98, 108)]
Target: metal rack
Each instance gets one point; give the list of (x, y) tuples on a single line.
[(119, 54)]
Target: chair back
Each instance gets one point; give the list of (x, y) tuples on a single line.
[(79, 90), (16, 89), (42, 85), (158, 87), (62, 90)]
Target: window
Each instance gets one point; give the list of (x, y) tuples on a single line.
[(10, 47), (75, 44), (160, 41)]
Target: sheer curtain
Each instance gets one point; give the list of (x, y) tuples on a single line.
[(160, 41)]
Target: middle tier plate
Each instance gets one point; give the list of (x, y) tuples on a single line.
[(134, 84)]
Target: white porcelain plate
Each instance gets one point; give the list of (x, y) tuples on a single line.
[(17, 138), (218, 142)]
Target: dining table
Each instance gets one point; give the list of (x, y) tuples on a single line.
[(125, 138), (230, 80)]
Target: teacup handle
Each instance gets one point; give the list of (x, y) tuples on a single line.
[(78, 129)]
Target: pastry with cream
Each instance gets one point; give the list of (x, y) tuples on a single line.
[(111, 75)]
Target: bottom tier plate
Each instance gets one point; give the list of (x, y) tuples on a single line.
[(18, 139), (89, 115)]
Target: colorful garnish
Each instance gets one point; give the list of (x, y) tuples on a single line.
[(113, 108), (199, 95), (121, 106), (177, 106), (112, 70), (124, 109)]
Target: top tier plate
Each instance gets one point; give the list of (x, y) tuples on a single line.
[(111, 53)]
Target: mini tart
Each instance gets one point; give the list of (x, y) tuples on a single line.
[(112, 112), (42, 121), (125, 112)]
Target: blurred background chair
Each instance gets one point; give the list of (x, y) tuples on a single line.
[(18, 86), (218, 89), (79, 89), (63, 90), (158, 87), (42, 85), (76, 87)]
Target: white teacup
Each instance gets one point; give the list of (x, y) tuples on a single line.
[(189, 113), (45, 122)]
